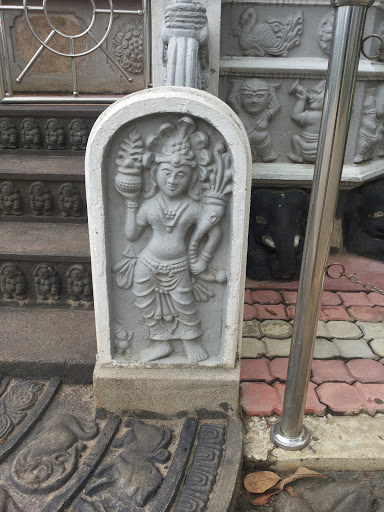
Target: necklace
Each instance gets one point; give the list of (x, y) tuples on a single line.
[(171, 217)]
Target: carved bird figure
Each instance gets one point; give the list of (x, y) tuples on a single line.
[(274, 37)]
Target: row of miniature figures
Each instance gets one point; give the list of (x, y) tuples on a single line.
[(47, 282), (41, 200), (54, 136)]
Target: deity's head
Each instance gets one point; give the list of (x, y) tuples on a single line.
[(4, 124), (7, 188), (254, 96), (177, 157), (316, 96), (52, 125), (75, 125), (37, 189), (27, 125)]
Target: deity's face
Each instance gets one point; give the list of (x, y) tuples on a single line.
[(173, 181), (9, 272), (37, 190), (52, 126), (44, 273), (76, 273), (28, 125), (4, 125), (6, 189), (315, 99), (254, 100), (76, 126)]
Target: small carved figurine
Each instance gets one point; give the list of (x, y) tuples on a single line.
[(78, 134), (191, 183), (185, 37), (8, 134), (307, 115), (370, 141), (276, 233), (128, 46), (13, 282), (11, 202), (274, 37), (54, 134), (70, 202), (47, 282), (122, 339), (325, 32), (79, 284), (256, 103), (30, 134), (51, 458), (40, 199)]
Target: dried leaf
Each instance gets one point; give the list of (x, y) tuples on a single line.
[(271, 311), (264, 498), (260, 481), (290, 490), (301, 472)]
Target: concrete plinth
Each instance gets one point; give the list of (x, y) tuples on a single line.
[(165, 392)]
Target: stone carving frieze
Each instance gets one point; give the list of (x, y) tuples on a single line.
[(13, 282), (370, 141), (185, 38), (203, 471), (131, 478), (47, 282), (324, 36), (128, 46), (11, 201), (79, 284), (54, 134), (50, 459), (15, 404), (30, 134), (9, 138), (78, 134), (70, 200), (274, 37), (177, 181), (307, 115), (256, 103), (41, 199)]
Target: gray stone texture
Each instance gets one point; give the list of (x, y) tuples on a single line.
[(354, 348)]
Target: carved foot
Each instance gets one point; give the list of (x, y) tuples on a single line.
[(157, 350), (295, 158), (270, 158), (194, 351)]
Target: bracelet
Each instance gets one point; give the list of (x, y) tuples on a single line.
[(206, 256), (133, 204)]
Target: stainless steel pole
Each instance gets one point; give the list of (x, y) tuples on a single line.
[(349, 22)]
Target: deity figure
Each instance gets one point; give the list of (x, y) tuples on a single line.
[(70, 202), (78, 134), (47, 282), (13, 282), (40, 199), (307, 115), (191, 182), (30, 134), (79, 284), (11, 202), (54, 134), (256, 103), (370, 140), (8, 134)]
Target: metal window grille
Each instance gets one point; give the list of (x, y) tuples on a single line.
[(103, 9)]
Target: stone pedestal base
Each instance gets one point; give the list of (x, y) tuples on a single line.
[(166, 391)]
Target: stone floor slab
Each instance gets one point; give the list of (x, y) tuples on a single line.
[(372, 330), (340, 397), (354, 348), (325, 349), (377, 346), (276, 329), (258, 370), (366, 370), (251, 329), (331, 371), (344, 330), (277, 348), (252, 347), (322, 330)]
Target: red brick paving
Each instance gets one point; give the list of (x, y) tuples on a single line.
[(257, 369), (290, 297), (290, 310), (266, 297), (328, 313), (248, 297), (373, 395), (279, 367), (333, 370), (340, 397), (250, 312), (366, 314), (376, 299), (366, 370), (330, 299), (355, 299), (258, 398), (312, 404)]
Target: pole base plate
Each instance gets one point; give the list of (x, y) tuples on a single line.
[(289, 443)]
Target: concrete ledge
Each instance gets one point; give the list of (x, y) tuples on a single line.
[(337, 443), (166, 391)]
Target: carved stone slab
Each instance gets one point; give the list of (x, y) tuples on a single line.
[(167, 175)]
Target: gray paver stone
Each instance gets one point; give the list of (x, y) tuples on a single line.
[(322, 330), (378, 346), (278, 329), (344, 330), (251, 329), (251, 347), (354, 348), (325, 349), (277, 348), (372, 330)]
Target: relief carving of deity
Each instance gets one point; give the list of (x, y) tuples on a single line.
[(190, 182), (78, 134), (256, 103), (54, 134), (11, 201), (40, 199), (47, 282), (307, 115), (13, 283), (274, 37), (370, 141), (30, 134), (8, 134)]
